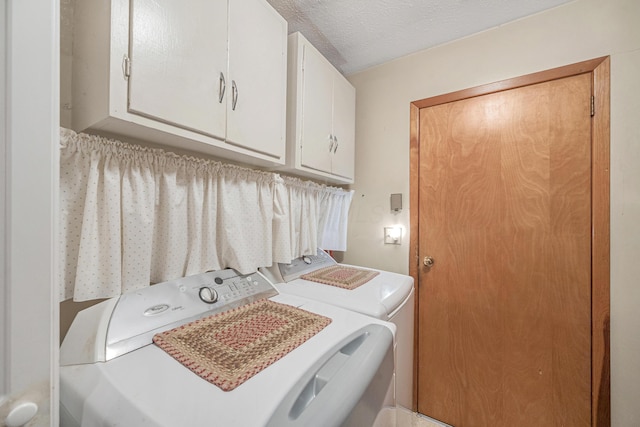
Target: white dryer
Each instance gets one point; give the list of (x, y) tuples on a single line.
[(387, 296), (111, 373)]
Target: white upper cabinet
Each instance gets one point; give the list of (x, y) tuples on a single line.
[(344, 127), (176, 51), (257, 69), (321, 116), (316, 121), (204, 75)]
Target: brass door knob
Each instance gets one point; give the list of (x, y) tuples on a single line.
[(428, 261)]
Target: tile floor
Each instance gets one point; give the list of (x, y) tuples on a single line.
[(406, 418)]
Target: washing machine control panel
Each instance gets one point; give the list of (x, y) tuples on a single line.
[(305, 264), (140, 314)]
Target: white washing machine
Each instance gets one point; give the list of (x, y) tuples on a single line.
[(112, 374), (388, 296)]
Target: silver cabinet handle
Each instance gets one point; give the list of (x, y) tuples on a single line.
[(335, 148), (234, 95), (222, 86), (330, 143), (126, 67)]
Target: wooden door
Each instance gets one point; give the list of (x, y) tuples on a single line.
[(505, 313)]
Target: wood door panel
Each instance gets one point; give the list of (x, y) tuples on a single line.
[(504, 336), (455, 221), (527, 361)]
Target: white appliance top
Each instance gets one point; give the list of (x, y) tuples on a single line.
[(147, 387), (380, 297), (304, 265), (120, 325)]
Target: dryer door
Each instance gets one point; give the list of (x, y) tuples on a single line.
[(361, 365)]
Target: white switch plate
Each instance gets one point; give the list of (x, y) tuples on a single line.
[(392, 235)]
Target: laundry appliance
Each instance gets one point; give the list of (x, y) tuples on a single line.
[(387, 296), (117, 367)]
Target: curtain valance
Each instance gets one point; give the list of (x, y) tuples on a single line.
[(134, 215)]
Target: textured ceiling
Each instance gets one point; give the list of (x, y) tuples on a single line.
[(359, 34)]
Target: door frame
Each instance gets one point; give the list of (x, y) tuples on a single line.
[(29, 165), (600, 237), (3, 195)]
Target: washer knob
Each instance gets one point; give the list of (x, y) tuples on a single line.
[(218, 280), (208, 295)]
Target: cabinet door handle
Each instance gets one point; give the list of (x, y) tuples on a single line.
[(234, 95), (222, 86), (330, 143), (335, 148)]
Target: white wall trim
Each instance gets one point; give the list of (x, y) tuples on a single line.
[(3, 194), (30, 141)]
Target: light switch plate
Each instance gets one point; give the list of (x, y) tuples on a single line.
[(392, 235)]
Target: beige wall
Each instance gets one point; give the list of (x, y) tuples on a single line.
[(577, 31)]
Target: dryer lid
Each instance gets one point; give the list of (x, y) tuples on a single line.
[(380, 297)]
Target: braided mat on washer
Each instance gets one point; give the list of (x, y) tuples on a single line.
[(227, 349), (341, 276)]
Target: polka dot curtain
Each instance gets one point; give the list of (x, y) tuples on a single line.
[(132, 216)]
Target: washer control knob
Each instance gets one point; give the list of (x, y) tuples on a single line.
[(208, 295), (306, 259), (218, 280)]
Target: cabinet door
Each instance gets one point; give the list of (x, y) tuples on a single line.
[(344, 119), (317, 98), (178, 51), (256, 101)]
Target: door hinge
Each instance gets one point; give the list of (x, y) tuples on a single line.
[(126, 66), (593, 105)]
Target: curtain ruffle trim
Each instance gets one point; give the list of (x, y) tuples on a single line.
[(86, 144)]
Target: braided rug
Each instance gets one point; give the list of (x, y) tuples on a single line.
[(341, 276), (228, 348)]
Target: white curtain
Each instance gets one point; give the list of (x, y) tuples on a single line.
[(317, 216), (132, 216)]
